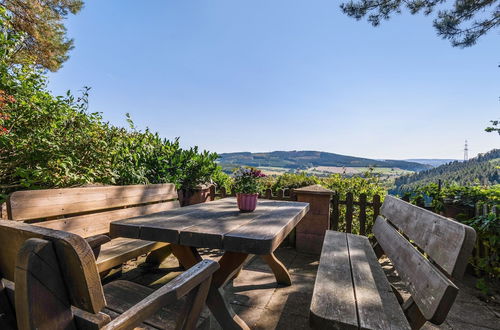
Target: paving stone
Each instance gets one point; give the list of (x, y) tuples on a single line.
[(430, 326), (263, 304), (294, 299), (457, 325), (251, 288), (472, 314), (305, 264), (285, 255), (292, 321)]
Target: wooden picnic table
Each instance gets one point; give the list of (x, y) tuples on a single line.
[(220, 225)]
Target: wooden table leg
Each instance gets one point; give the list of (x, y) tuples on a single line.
[(187, 256), (280, 273), (230, 264)]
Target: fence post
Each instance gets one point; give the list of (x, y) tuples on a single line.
[(376, 207), (349, 208), (310, 232), (335, 212), (362, 214)]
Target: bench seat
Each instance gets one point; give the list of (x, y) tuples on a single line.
[(351, 289), (122, 295), (120, 250)]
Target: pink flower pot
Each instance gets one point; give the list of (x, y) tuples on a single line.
[(247, 202)]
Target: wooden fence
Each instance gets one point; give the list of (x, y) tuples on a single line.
[(483, 250), (336, 204), (363, 205)]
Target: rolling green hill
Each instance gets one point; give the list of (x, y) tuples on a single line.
[(481, 170), (307, 159)]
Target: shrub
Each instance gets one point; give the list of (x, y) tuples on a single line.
[(293, 180), (51, 141)]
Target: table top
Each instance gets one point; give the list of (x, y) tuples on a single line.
[(218, 224)]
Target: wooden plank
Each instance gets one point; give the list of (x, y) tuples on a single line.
[(333, 304), (98, 223), (122, 295), (432, 291), (377, 306), (120, 250), (362, 214), (263, 234), (164, 226), (7, 314), (349, 209), (447, 242), (42, 301), (210, 232), (37, 204), (76, 260), (158, 299)]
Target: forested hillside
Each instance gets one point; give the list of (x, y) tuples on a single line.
[(481, 170), (306, 159)]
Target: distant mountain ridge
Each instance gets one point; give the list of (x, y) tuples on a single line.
[(306, 159), (481, 170), (432, 161)]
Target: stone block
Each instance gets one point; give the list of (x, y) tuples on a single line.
[(309, 243)]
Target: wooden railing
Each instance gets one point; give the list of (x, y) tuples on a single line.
[(362, 204)]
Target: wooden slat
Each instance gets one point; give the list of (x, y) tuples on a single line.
[(263, 234), (376, 303), (362, 214), (122, 295), (42, 301), (447, 242), (349, 208), (222, 220), (196, 276), (120, 250), (98, 223), (335, 212), (76, 259), (216, 224), (37, 204), (333, 304), (432, 291), (163, 226)]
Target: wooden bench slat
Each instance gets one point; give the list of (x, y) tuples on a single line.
[(121, 295), (36, 204), (333, 304), (76, 261), (120, 250), (447, 242), (432, 291), (377, 305), (98, 223)]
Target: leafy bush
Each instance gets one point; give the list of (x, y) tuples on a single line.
[(293, 180), (48, 141)]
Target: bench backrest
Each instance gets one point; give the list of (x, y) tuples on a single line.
[(88, 211), (74, 263), (427, 250)]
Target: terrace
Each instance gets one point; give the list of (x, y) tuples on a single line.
[(257, 290), (265, 305)]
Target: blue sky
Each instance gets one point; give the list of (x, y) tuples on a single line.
[(284, 75)]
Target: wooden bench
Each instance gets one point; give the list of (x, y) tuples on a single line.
[(427, 250), (49, 280), (88, 211)]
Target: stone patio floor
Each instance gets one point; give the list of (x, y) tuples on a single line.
[(262, 304)]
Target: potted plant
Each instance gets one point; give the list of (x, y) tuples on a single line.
[(247, 186)]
